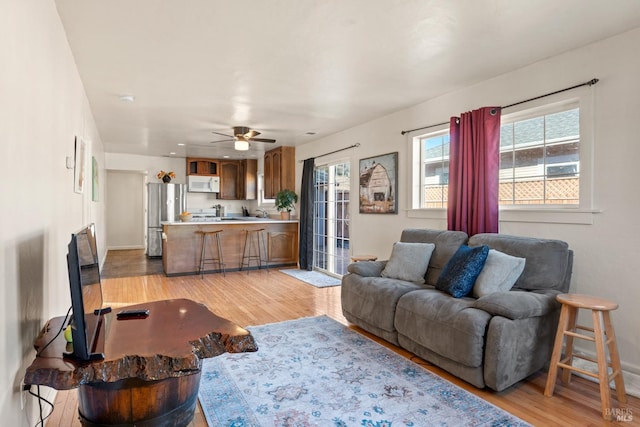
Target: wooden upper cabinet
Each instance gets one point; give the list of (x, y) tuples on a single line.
[(238, 179), (200, 166), (279, 171), (229, 180), (249, 178)]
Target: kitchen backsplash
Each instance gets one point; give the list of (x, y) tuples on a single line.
[(232, 207)]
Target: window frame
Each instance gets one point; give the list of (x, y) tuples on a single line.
[(582, 213)]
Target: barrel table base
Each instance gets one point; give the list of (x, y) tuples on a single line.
[(167, 402)]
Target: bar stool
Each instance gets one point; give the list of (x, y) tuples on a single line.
[(567, 326), (254, 249), (215, 258)]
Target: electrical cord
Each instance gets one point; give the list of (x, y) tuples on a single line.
[(38, 354), (40, 400), (64, 325)]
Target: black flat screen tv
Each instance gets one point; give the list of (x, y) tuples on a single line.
[(86, 294)]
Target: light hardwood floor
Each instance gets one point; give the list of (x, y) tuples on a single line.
[(261, 297)]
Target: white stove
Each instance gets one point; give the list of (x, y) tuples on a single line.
[(204, 215)]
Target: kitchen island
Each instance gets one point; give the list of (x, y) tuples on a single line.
[(181, 243)]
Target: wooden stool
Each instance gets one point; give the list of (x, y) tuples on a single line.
[(254, 249), (600, 309), (356, 258), (214, 259)]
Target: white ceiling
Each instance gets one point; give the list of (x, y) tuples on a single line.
[(288, 67)]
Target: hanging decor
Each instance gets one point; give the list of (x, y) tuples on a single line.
[(379, 184), (80, 148), (166, 177)]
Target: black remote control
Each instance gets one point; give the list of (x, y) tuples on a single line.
[(133, 314)]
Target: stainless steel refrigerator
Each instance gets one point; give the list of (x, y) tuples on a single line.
[(165, 203)]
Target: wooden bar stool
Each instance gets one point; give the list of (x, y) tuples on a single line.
[(567, 326), (215, 258), (254, 249)]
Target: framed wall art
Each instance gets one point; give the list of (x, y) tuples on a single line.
[(95, 184), (379, 184), (79, 173)]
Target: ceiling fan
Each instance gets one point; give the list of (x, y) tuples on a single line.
[(242, 136)]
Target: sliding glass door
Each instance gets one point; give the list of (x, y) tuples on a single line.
[(331, 218)]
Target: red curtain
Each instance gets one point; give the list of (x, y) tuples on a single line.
[(474, 164)]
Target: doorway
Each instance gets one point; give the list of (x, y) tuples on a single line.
[(125, 210), (331, 218)]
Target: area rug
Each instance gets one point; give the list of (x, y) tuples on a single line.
[(315, 278), (317, 372)]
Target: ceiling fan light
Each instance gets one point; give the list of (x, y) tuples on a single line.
[(241, 145)]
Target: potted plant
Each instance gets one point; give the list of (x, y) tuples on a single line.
[(285, 201)]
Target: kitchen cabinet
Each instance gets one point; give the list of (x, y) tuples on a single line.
[(248, 179), (279, 171), (201, 166), (238, 179), (282, 246), (229, 180)]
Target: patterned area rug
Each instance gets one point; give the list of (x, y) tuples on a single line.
[(315, 278), (317, 372)]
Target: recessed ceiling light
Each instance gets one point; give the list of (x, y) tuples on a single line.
[(172, 153), (181, 144), (225, 157), (127, 98)]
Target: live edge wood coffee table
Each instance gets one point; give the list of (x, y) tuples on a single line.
[(151, 371)]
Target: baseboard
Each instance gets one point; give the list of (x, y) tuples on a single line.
[(631, 379)]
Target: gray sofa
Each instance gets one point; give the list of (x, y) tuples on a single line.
[(495, 340)]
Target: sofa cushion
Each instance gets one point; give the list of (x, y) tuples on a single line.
[(549, 262), (447, 243), (367, 268), (518, 304), (373, 300), (462, 270), (499, 273), (448, 326), (408, 261)]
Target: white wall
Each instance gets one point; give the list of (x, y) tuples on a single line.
[(606, 252), (42, 108)]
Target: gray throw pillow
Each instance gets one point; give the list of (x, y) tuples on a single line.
[(408, 261), (499, 273)]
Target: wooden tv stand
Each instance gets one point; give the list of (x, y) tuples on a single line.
[(151, 371)]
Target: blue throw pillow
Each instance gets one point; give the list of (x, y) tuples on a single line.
[(460, 273)]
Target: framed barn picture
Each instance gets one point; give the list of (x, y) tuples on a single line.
[(379, 184)]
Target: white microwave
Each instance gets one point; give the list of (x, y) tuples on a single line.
[(203, 184)]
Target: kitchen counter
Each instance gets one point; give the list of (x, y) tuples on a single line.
[(234, 220), (181, 244)]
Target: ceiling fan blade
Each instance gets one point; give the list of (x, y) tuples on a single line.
[(223, 134), (222, 140), (251, 134), (262, 140)]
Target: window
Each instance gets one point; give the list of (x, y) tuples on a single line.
[(435, 170), (540, 160), (543, 160)]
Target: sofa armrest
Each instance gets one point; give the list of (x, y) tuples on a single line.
[(518, 305), (367, 268)]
